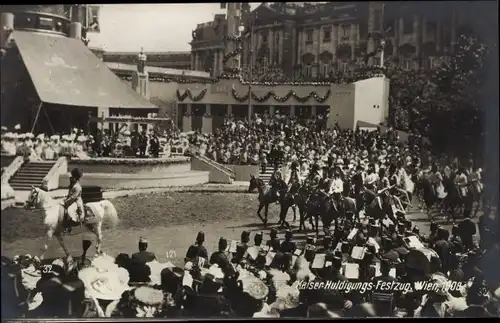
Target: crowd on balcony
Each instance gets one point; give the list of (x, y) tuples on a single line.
[(80, 145), (268, 277)]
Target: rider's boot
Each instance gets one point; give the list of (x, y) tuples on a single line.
[(67, 224)]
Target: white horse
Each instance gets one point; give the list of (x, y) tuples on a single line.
[(53, 212)]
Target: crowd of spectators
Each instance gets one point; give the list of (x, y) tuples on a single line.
[(270, 278), (79, 145)]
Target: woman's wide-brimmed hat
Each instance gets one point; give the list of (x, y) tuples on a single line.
[(104, 284)]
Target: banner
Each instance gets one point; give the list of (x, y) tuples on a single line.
[(93, 22)]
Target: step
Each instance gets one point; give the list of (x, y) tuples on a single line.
[(33, 171), (36, 168), (26, 181)]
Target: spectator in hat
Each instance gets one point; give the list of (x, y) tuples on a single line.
[(467, 230), (143, 256), (288, 246), (220, 257), (273, 243), (257, 240), (197, 249)]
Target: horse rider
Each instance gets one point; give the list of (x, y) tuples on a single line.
[(314, 179), (276, 182), (336, 188), (294, 176), (74, 196)]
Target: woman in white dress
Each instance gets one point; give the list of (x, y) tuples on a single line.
[(39, 144), (79, 152)]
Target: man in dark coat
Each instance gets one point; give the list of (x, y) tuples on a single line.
[(143, 143), (197, 249), (143, 256), (220, 257), (274, 242), (466, 231)]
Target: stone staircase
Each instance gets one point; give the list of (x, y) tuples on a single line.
[(30, 174), (267, 175)]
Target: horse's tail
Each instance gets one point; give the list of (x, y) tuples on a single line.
[(110, 213)]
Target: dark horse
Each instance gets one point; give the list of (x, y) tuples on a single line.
[(287, 201), (324, 206), (266, 196), (379, 205)]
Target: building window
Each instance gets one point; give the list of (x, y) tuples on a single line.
[(327, 34), (308, 71), (264, 37), (346, 31), (407, 26), (377, 15), (343, 67), (309, 36), (407, 64)]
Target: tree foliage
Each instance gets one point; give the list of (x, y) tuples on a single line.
[(442, 103)]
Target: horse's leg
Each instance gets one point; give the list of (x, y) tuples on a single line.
[(49, 235), (317, 224), (294, 209), (266, 210), (261, 206), (61, 242), (98, 233)]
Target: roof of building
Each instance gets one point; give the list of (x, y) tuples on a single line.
[(157, 70), (64, 71)]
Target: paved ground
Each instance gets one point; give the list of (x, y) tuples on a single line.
[(169, 220)]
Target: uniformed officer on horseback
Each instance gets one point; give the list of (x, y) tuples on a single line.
[(74, 196), (276, 182), (336, 188), (294, 179)]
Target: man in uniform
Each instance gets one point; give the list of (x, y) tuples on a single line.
[(143, 256), (220, 257), (336, 189), (294, 180), (276, 182), (314, 178), (197, 249), (74, 196), (274, 242)]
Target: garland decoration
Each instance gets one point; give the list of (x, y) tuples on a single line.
[(282, 99), (187, 93)]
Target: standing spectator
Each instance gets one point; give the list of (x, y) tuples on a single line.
[(143, 256)]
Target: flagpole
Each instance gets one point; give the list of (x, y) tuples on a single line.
[(250, 74)]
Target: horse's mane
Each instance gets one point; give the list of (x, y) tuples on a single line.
[(43, 197)]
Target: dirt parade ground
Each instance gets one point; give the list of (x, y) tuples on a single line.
[(169, 220)]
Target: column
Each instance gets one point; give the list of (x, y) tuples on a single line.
[(280, 53), (270, 42), (438, 36), (401, 35), (313, 111), (207, 120), (193, 60), (416, 32), (103, 112), (424, 29), (352, 39), (299, 47), (221, 64), (272, 110), (453, 31), (215, 63), (186, 120), (334, 41), (229, 110), (294, 47), (292, 111)]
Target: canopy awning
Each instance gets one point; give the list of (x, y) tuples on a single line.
[(64, 71)]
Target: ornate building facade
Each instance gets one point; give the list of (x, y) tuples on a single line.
[(313, 40)]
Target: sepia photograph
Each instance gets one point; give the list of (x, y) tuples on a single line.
[(280, 160)]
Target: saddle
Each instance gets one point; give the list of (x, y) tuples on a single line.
[(88, 214)]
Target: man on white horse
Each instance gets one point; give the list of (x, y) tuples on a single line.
[(74, 197)]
